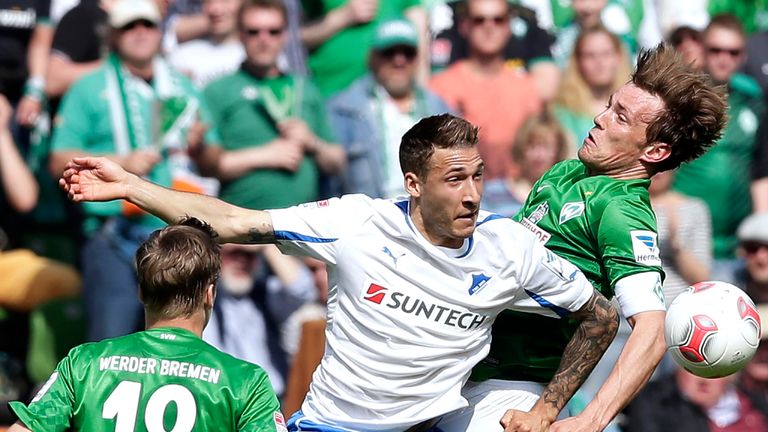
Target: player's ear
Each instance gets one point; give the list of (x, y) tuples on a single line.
[(210, 296), (412, 184), (656, 152)]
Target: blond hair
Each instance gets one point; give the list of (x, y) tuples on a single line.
[(574, 94)]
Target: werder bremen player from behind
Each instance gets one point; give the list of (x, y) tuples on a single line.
[(595, 212), (164, 378)]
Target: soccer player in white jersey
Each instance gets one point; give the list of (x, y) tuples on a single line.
[(415, 284)]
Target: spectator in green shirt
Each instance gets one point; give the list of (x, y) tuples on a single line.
[(136, 110), (275, 135)]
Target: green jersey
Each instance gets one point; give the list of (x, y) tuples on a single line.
[(603, 226), (157, 380)]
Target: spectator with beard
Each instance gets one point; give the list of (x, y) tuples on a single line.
[(259, 289), (371, 115)]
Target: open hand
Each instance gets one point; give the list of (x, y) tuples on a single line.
[(94, 179)]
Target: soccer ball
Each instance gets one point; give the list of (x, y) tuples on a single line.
[(712, 329)]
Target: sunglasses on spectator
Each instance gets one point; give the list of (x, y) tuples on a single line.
[(717, 51), (498, 20), (408, 52), (752, 248), (274, 31), (142, 22)]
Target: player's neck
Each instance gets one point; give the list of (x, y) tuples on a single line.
[(194, 323), (635, 172), (429, 232)]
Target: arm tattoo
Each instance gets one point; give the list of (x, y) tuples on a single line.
[(261, 234), (599, 324)]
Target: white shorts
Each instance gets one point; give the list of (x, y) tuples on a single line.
[(488, 401)]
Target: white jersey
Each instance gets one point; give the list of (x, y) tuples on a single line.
[(407, 320)]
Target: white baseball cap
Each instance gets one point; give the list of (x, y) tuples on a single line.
[(127, 11), (754, 228)]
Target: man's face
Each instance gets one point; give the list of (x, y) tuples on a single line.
[(395, 69), (598, 60), (618, 140), (704, 392), (723, 53), (756, 258), (138, 41), (487, 26), (237, 267), (222, 16), (587, 12), (449, 196), (262, 32)]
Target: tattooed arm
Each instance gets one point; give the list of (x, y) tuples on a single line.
[(599, 323), (642, 352), (99, 179)]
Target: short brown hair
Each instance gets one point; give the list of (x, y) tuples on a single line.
[(247, 5), (442, 131), (175, 266), (694, 107)]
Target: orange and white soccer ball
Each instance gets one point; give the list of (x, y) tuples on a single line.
[(712, 329)]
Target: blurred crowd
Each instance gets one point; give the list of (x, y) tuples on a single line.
[(274, 103)]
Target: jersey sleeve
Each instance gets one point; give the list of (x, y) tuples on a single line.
[(261, 412), (549, 285), (314, 229), (628, 240), (51, 410)]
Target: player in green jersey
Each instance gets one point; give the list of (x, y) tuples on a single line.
[(164, 378), (596, 213)]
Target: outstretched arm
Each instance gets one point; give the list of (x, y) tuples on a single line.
[(99, 179), (599, 323), (642, 352)]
